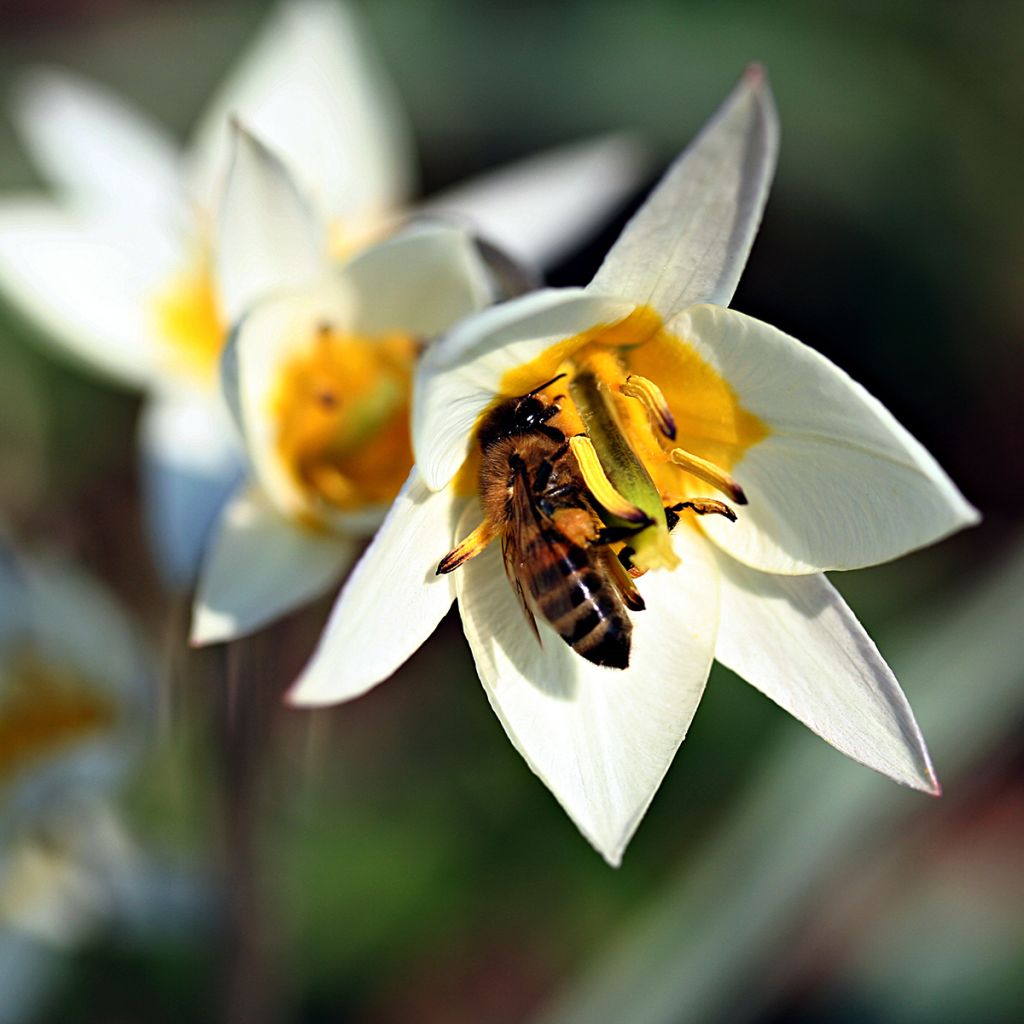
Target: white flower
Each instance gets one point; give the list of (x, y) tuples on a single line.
[(319, 377), (117, 269), (75, 703), (830, 481)]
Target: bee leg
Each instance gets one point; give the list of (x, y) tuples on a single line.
[(625, 558), (624, 583), (701, 506), (469, 548)]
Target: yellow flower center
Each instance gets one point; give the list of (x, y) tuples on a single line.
[(45, 711), (342, 410), (665, 426), (190, 322)]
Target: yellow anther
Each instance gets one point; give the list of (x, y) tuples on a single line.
[(469, 548), (709, 473), (649, 395), (600, 486)]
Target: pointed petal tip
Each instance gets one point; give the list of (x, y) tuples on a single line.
[(755, 74), (303, 696)]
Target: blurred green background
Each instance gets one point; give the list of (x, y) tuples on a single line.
[(416, 871)]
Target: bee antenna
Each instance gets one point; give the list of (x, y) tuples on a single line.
[(546, 384)]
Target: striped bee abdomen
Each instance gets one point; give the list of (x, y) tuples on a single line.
[(577, 599)]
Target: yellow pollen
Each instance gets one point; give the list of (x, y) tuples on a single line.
[(600, 486), (189, 320), (680, 419), (709, 473), (45, 711), (342, 409), (650, 397)]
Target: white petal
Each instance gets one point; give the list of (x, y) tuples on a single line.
[(539, 209), (599, 738), (265, 341), (796, 640), (837, 483), (97, 149), (392, 602), (690, 240), (459, 376), (421, 281), (260, 566), (82, 288), (268, 239), (191, 463), (313, 89)]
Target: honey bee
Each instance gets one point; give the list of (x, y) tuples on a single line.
[(555, 548)]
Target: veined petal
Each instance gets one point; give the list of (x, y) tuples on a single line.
[(260, 566), (600, 739), (460, 375), (313, 89), (87, 293), (392, 602), (689, 242), (837, 483), (191, 462), (796, 640), (539, 209), (97, 149), (422, 281), (269, 239)]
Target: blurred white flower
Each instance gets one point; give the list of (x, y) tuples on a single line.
[(319, 377), (117, 269), (662, 397), (74, 708)]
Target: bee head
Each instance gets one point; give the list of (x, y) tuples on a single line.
[(518, 416)]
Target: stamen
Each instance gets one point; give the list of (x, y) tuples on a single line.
[(600, 486), (709, 473), (594, 400), (649, 395), (469, 548)]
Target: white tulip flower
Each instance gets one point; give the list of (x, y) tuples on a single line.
[(117, 268), (773, 464), (319, 377)]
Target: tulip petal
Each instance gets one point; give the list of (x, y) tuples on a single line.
[(191, 463), (261, 566), (98, 150), (252, 364), (269, 239), (392, 601), (539, 209), (82, 288), (421, 281), (837, 483), (797, 641), (600, 739), (460, 375), (689, 242), (312, 88)]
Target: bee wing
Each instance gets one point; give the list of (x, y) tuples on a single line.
[(521, 530)]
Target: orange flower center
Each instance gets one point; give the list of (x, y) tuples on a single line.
[(46, 711), (342, 410)]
